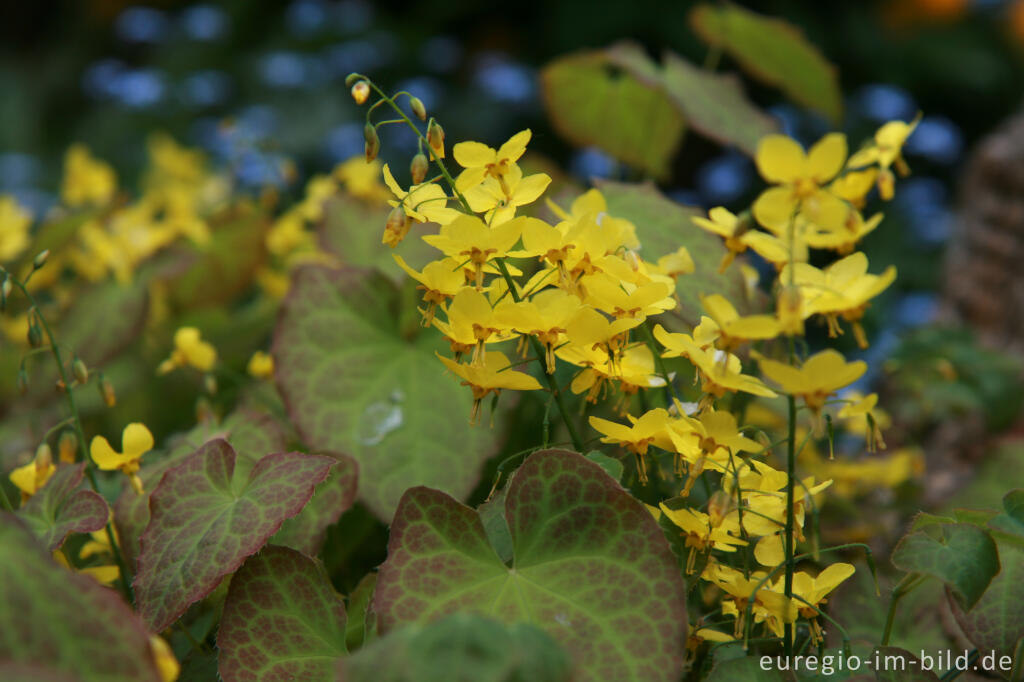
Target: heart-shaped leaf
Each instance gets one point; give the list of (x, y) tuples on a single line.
[(663, 226), (613, 99), (996, 622), (773, 51), (336, 495), (590, 566), (460, 648), (1011, 521), (714, 105), (60, 509), (282, 620), (205, 521), (961, 555), (352, 384), (56, 620), (251, 434)]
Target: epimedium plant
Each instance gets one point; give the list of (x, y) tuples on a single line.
[(664, 519)]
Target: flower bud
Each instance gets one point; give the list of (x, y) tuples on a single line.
[(40, 259), (67, 445), (352, 78), (417, 108), (61, 386), (44, 456), (396, 227), (435, 138), (80, 371), (35, 335), (360, 91), (372, 142), (418, 168), (107, 392)]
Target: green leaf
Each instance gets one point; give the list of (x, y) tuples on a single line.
[(773, 51), (60, 509), (206, 520), (714, 105), (282, 620), (899, 665), (996, 622), (611, 466), (964, 557), (662, 226), (492, 514), (1011, 521), (359, 628), (590, 567), (1013, 504), (745, 669), (252, 434), (104, 320), (352, 384), (336, 495), (460, 648), (613, 99), (54, 619), (352, 228), (233, 254)]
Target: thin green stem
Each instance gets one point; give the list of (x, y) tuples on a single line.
[(909, 582), (7, 503), (791, 474), (80, 433), (659, 362)]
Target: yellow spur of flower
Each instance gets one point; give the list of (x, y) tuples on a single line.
[(189, 351), (136, 440)]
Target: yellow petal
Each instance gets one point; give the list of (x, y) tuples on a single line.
[(136, 440), (515, 146), (769, 550), (774, 208), (825, 159), (104, 455), (531, 188), (780, 159), (470, 154)]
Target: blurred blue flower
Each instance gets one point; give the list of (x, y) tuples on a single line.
[(591, 162), (354, 55), (205, 88), (254, 168), (283, 70), (205, 22), (36, 201), (344, 142), (100, 78), (882, 102), (257, 122), (725, 178), (140, 88), (502, 79), (915, 309), (141, 25), (788, 118), (306, 17), (937, 139), (440, 54), (18, 170), (428, 89), (924, 202)]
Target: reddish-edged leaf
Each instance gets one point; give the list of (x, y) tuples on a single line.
[(353, 384), (590, 566), (996, 622), (282, 620), (205, 520), (251, 434), (60, 508), (61, 623), (306, 531)]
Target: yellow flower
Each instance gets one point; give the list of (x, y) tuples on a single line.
[(14, 224), (652, 428), (623, 299), (166, 664), (730, 227), (720, 372), (499, 198), (29, 479), (810, 592), (842, 240), (481, 161), (819, 377), (800, 180), (886, 150), (545, 317), (189, 350), (440, 280), (702, 533), (424, 203), (361, 179), (136, 440), (261, 365), (87, 180), (494, 376), (467, 238), (471, 324), (735, 330)]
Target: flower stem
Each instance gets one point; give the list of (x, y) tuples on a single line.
[(79, 432), (909, 582), (790, 549)]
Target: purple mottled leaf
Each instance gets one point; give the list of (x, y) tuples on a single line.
[(282, 620), (996, 622), (61, 508), (590, 566), (336, 495), (63, 624), (205, 520), (353, 384)]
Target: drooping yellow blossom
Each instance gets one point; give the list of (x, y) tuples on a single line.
[(14, 224), (261, 365), (87, 180), (801, 180), (472, 323), (34, 475), (362, 179), (189, 351), (136, 440), (544, 317), (481, 162), (741, 591), (808, 593), (730, 227), (735, 330), (439, 280), (467, 238), (704, 533), (622, 299), (632, 369), (651, 428), (842, 240), (862, 415), (424, 203), (493, 376), (886, 151), (720, 372), (499, 198), (819, 377)]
